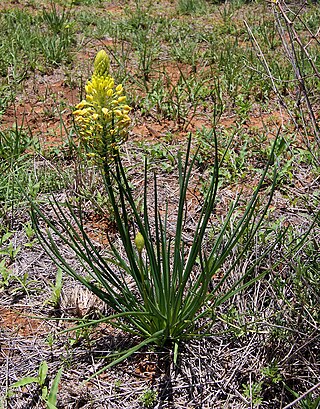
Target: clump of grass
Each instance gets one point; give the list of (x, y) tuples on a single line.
[(191, 6)]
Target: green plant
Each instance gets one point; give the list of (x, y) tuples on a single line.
[(173, 291), (25, 282), (5, 274), (38, 41), (148, 398), (176, 100), (191, 6), (272, 372), (253, 391), (160, 154), (186, 51), (147, 49), (243, 108), (8, 249), (237, 323), (81, 334), (56, 289), (30, 233), (169, 301), (14, 142), (48, 396), (56, 48), (9, 252), (55, 19), (305, 400)]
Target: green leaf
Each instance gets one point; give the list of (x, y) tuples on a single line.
[(52, 397), (25, 381), (50, 406), (5, 237), (122, 356), (44, 393), (43, 371)]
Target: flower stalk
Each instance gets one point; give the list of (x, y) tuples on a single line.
[(102, 117)]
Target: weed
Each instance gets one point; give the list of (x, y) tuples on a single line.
[(186, 52), (305, 400), (5, 274), (14, 142), (30, 233), (8, 248), (148, 398), (56, 290), (272, 372), (253, 391), (48, 396), (147, 49), (80, 335), (160, 154), (191, 6), (55, 20)]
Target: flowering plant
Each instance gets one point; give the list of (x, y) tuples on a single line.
[(160, 287), (102, 118)]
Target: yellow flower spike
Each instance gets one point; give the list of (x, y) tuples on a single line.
[(102, 118), (101, 64)]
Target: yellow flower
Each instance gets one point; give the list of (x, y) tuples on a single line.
[(102, 118)]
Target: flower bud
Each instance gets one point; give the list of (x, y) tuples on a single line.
[(101, 64), (88, 88), (139, 242), (122, 99), (109, 93)]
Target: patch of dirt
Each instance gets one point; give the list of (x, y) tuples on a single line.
[(99, 228), (44, 108), (20, 324), (20, 5)]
